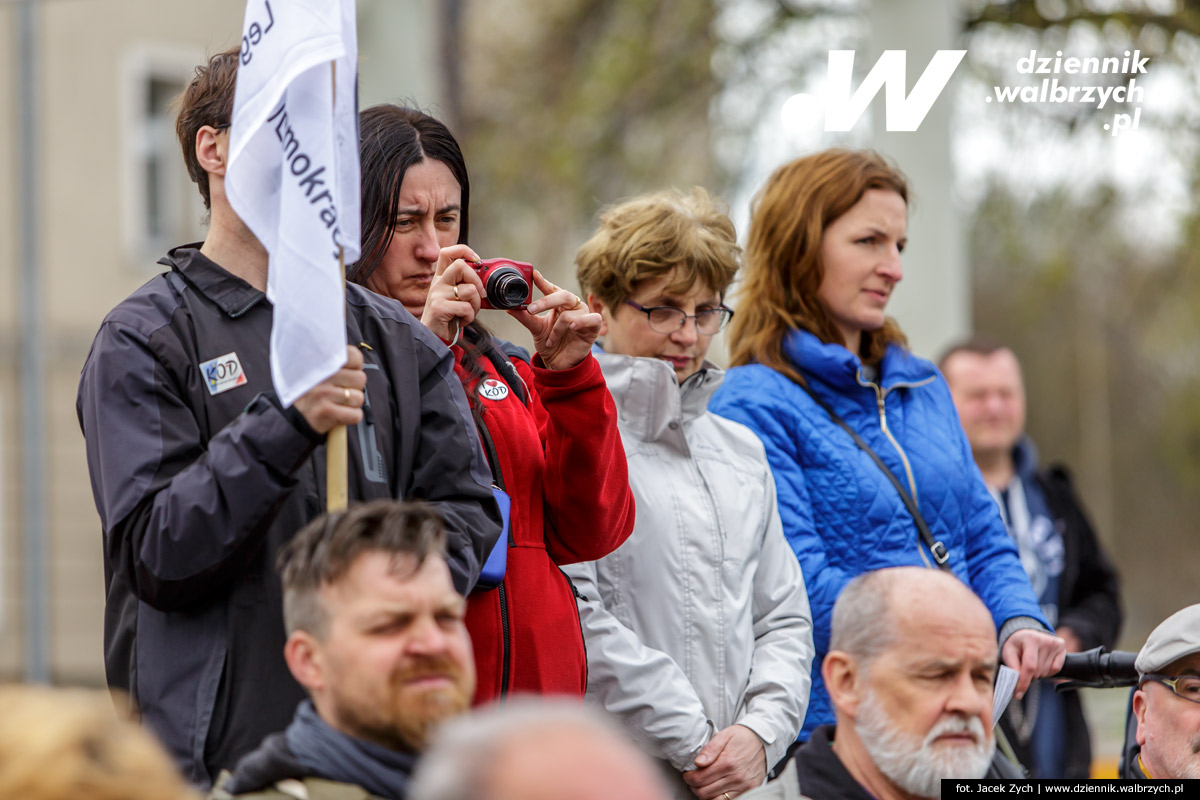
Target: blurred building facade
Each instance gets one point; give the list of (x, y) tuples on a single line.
[(112, 196)]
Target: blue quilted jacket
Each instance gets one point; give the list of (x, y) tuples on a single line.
[(840, 513)]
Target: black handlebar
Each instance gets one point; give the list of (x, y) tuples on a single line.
[(1099, 669)]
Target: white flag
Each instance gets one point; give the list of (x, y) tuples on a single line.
[(293, 175)]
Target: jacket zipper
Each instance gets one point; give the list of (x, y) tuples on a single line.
[(880, 398), (723, 536), (505, 666)]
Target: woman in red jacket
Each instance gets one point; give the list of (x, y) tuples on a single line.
[(549, 426)]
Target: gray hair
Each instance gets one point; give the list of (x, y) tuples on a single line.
[(324, 550), (862, 621), (466, 749), (864, 624)]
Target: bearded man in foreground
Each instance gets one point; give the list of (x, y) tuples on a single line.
[(376, 636), (910, 668)]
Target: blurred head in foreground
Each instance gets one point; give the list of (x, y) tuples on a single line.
[(70, 744), (532, 749)]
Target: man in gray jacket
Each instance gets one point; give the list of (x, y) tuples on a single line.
[(200, 475), (698, 630)]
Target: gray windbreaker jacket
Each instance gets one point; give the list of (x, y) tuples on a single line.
[(700, 620)]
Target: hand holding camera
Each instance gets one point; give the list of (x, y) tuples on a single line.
[(565, 336), (464, 283), (455, 295)]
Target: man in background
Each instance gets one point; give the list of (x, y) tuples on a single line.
[(1076, 584)]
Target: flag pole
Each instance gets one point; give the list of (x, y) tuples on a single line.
[(337, 493)]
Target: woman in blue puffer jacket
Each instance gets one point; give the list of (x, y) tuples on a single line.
[(811, 337)]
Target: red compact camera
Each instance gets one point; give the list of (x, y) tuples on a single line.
[(506, 283)]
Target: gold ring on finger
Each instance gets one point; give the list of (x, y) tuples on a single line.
[(578, 302), (346, 393), (456, 297), (726, 794)]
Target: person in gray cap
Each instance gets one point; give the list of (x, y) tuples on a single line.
[(1167, 701)]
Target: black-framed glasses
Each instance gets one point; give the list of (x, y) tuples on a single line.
[(668, 319), (1186, 686)]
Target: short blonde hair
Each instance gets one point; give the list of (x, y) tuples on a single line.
[(66, 744), (650, 235)]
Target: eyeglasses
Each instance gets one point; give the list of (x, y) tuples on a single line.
[(668, 319), (1186, 686)]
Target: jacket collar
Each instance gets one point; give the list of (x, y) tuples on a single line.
[(230, 293), (649, 399), (1025, 458), (836, 366), (822, 773)]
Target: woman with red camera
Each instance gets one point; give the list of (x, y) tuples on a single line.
[(548, 425)]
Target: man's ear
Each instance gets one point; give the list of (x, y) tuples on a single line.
[(212, 150), (306, 659), (843, 681), (1139, 711), (596, 306)]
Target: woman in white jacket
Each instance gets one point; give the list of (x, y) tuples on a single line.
[(698, 630)]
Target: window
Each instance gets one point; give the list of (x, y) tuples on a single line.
[(162, 206)]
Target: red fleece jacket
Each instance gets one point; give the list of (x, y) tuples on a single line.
[(564, 467)]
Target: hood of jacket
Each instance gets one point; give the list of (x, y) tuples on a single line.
[(842, 371), (653, 406)]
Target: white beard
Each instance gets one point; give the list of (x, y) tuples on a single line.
[(1179, 762), (918, 766)]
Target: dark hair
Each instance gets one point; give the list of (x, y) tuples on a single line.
[(783, 271), (207, 100), (976, 345), (323, 551), (392, 139)]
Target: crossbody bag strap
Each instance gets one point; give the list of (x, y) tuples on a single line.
[(940, 554)]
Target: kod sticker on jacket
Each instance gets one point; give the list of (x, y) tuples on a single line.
[(223, 373), (494, 389)]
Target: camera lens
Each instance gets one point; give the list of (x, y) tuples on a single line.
[(506, 288)]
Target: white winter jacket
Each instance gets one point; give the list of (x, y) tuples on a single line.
[(701, 619)]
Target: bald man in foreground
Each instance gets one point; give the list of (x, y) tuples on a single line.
[(535, 749), (910, 669)]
